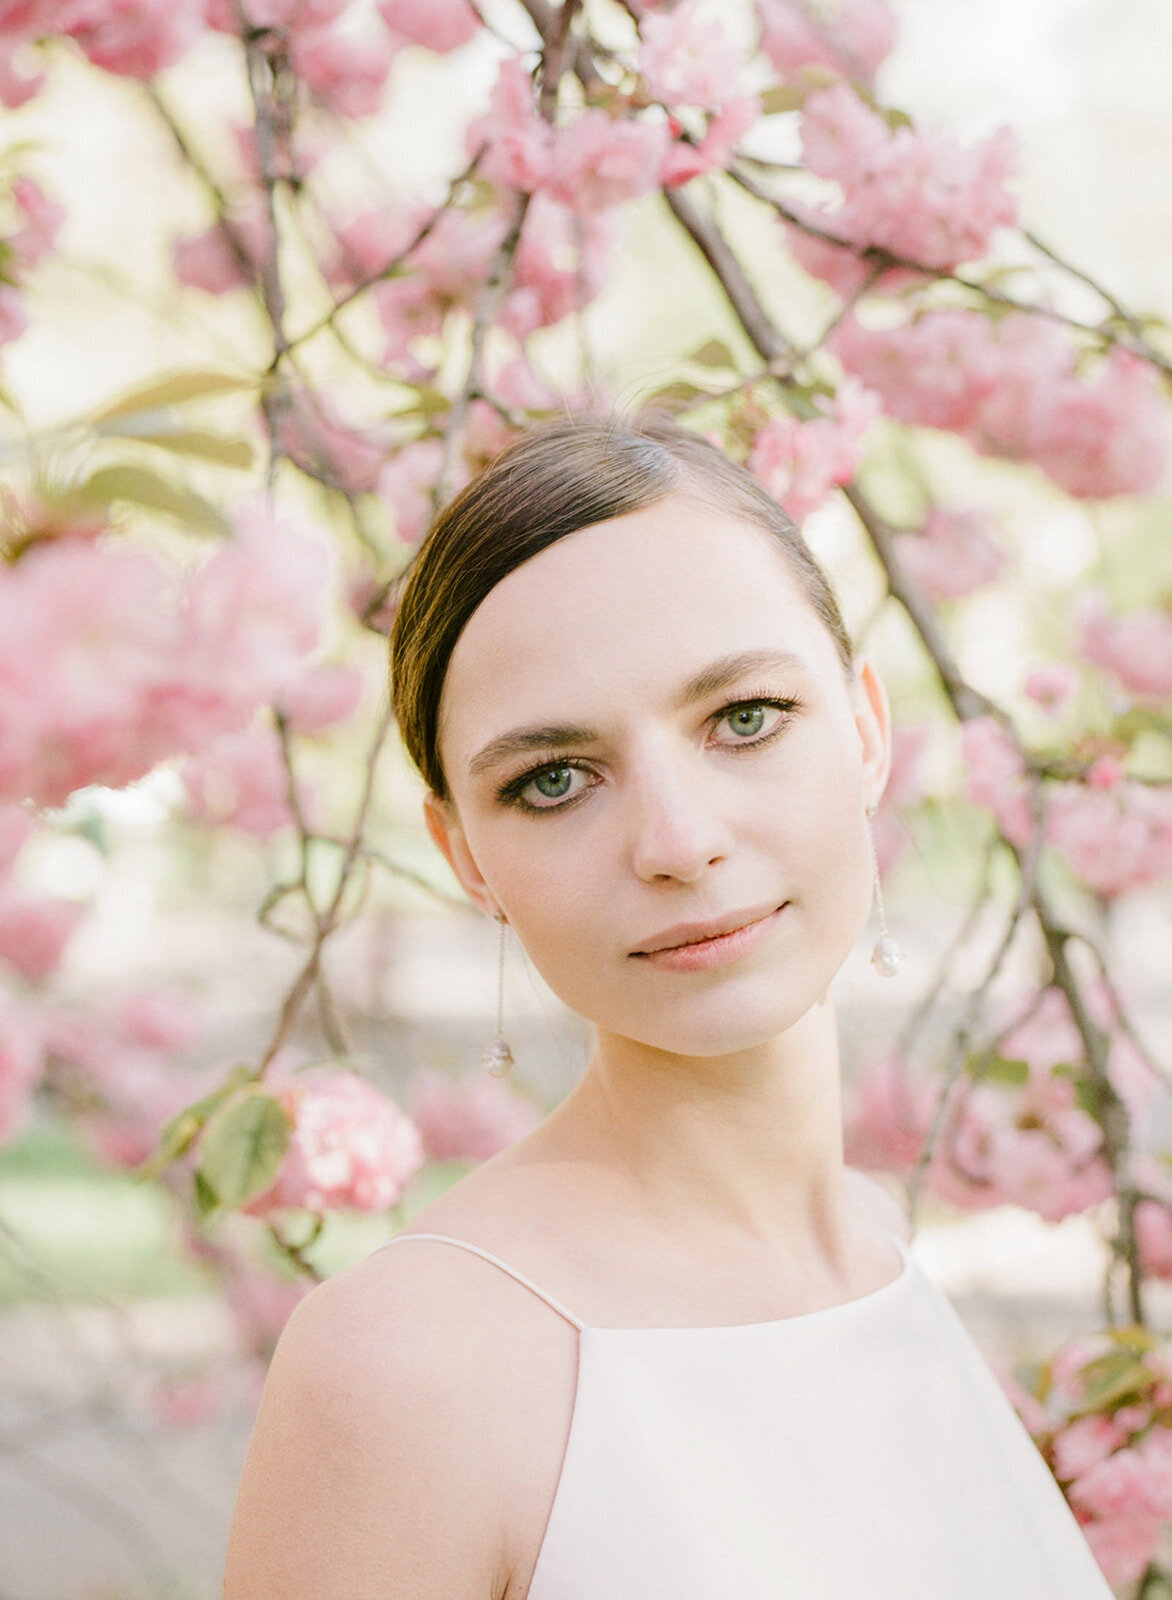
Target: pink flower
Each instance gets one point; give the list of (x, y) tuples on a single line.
[(1124, 1545), (440, 25), (13, 314), (995, 777), (351, 1147), (345, 72), (800, 462), (468, 1120), (320, 696), (1051, 686), (225, 14), (22, 1063), (34, 931), (560, 265), (1135, 648), (918, 195), (340, 456), (689, 59), (17, 86), (37, 235), (405, 484), (519, 140), (1153, 1218), (1014, 389), (599, 160), (1115, 838), (134, 38), (853, 41), (16, 828), (953, 554), (889, 1112), (685, 161), (216, 262), (240, 782)]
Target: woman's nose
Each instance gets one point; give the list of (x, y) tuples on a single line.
[(678, 829)]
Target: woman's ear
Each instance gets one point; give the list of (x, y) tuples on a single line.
[(873, 721), (443, 823)]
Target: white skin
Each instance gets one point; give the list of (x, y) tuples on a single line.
[(711, 1100)]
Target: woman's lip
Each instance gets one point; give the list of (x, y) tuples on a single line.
[(716, 952), (701, 933)]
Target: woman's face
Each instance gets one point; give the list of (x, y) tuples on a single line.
[(605, 793)]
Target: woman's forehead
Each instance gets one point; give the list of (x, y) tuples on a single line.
[(632, 606)]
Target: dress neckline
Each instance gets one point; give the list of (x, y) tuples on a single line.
[(859, 1301)]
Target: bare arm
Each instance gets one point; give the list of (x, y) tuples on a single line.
[(364, 1478)]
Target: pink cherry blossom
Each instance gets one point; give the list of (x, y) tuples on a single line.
[(685, 160), (22, 1063), (345, 72), (240, 782), (320, 696), (341, 456), (440, 25), (854, 39), (1014, 389), (469, 1119), (34, 931), (1136, 648), (1124, 1545), (351, 1147), (916, 194), (13, 314), (1052, 685), (17, 86), (16, 829), (800, 462), (995, 777), (1083, 1442), (1153, 1218), (134, 38), (225, 14), (599, 160), (903, 787), (561, 264), (162, 1019), (216, 260), (405, 484), (37, 235), (889, 1111), (688, 58), (953, 554), (1115, 838), (518, 140)]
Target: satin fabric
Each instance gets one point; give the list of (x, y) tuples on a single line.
[(865, 1451)]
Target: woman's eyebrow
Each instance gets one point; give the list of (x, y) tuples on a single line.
[(709, 680)]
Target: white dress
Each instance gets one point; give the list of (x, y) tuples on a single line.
[(865, 1451)]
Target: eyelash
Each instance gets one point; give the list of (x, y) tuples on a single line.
[(510, 792)]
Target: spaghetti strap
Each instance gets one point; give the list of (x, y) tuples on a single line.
[(554, 1305)]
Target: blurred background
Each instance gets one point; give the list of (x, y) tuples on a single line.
[(127, 1381)]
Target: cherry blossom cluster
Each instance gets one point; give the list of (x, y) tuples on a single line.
[(1013, 388), (112, 661)]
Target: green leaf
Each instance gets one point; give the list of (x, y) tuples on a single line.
[(1117, 1376), (1000, 1069), (714, 353), (170, 391), (179, 1131), (782, 97), (139, 486), (218, 447), (243, 1146), (206, 1198), (682, 393)]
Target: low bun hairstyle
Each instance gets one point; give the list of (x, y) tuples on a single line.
[(553, 481)]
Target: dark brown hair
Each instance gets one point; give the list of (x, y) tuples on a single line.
[(551, 482)]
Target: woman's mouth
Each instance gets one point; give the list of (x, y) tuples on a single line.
[(696, 955)]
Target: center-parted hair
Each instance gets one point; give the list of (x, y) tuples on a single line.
[(553, 481)]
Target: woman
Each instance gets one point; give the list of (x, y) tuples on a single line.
[(667, 1346)]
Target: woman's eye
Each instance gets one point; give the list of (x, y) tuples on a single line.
[(747, 720), (550, 786)]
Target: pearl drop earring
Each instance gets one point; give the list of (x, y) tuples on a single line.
[(497, 1057), (886, 957)]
